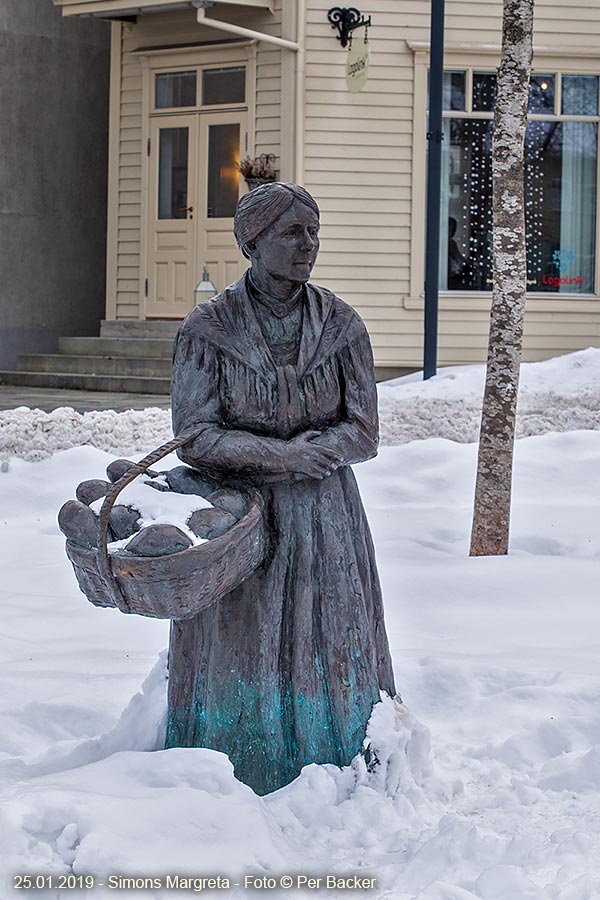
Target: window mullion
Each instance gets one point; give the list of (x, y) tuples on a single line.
[(469, 92), (597, 243)]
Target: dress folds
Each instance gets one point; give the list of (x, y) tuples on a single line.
[(284, 670)]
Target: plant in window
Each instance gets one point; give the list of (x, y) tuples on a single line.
[(258, 170)]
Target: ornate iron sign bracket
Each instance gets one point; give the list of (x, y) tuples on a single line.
[(346, 19)]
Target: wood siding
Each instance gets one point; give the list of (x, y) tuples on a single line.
[(358, 160), (365, 166), (364, 161)]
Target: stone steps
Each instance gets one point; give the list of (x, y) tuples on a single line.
[(83, 382), (129, 356), (95, 365), (138, 328), (140, 348)]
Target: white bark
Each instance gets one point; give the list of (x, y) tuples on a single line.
[(491, 518)]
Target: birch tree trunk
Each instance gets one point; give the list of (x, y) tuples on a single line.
[(491, 517)]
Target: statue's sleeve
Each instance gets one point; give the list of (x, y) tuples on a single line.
[(196, 406), (356, 436)]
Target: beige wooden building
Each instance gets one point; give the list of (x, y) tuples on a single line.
[(195, 86)]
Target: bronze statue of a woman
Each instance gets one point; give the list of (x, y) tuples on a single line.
[(276, 374)]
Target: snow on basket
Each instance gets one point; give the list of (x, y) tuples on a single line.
[(175, 585)]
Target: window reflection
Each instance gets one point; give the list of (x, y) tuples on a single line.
[(560, 191), (580, 95), (454, 90), (175, 89), (484, 91), (173, 173), (223, 175), (223, 86), (541, 94)]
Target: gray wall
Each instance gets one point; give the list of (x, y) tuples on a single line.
[(54, 82)]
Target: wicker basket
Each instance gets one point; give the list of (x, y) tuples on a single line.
[(177, 585)]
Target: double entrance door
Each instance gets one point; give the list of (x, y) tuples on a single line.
[(194, 187)]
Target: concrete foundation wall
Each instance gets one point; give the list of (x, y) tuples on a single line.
[(54, 81)]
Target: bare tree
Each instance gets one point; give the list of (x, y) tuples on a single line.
[(491, 517)]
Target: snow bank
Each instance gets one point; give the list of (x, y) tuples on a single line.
[(33, 434), (561, 394)]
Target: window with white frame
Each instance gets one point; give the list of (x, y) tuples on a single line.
[(200, 87), (561, 163)]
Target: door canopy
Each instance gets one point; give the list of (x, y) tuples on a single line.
[(123, 9)]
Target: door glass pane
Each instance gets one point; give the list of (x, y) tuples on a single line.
[(173, 173), (223, 86), (175, 89), (223, 176), (580, 95)]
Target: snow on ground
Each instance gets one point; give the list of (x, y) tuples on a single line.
[(489, 781), (560, 394), (34, 434)]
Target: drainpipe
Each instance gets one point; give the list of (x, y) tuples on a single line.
[(298, 48), (435, 136), (244, 32), (299, 124)]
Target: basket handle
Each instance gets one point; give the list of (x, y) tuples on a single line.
[(104, 566)]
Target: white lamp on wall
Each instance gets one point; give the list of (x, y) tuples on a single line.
[(205, 289)]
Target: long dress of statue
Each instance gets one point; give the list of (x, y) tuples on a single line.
[(277, 374)]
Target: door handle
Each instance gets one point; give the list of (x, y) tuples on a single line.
[(187, 209)]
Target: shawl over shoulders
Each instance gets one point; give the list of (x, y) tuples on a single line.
[(228, 324), (227, 385)]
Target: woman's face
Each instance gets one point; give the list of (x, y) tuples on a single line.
[(287, 250)]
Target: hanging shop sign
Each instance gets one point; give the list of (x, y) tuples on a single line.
[(357, 65)]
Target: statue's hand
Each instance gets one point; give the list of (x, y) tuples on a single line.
[(304, 458)]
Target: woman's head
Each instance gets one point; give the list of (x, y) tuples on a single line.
[(277, 229), (262, 207)]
